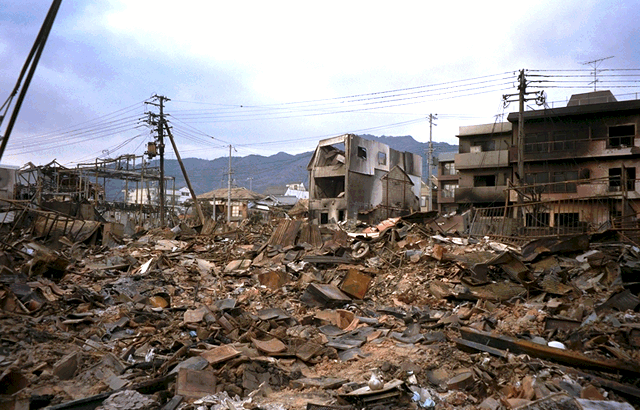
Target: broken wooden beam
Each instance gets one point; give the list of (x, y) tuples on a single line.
[(551, 353), (622, 389)]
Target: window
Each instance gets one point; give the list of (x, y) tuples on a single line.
[(362, 152), (324, 218), (484, 180), (564, 141), (235, 210), (621, 136), (448, 190), (571, 219), (382, 157), (562, 176), (615, 179), (536, 142), (423, 201), (488, 145), (341, 215), (448, 168)]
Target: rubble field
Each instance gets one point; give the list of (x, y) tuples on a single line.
[(290, 315)]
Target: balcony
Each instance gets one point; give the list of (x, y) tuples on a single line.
[(488, 159), (480, 194), (554, 150)]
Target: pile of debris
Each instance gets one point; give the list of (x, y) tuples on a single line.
[(296, 316)]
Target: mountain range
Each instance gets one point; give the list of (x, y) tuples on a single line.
[(270, 174)]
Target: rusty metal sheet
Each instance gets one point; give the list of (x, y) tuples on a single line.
[(318, 294), (355, 284), (551, 283), (621, 301), (195, 383), (286, 233), (310, 233)]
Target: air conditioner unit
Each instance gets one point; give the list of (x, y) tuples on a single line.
[(476, 149), (7, 183)]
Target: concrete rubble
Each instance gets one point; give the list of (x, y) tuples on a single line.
[(290, 315)]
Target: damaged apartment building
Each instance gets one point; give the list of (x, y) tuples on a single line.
[(580, 170), (352, 178)]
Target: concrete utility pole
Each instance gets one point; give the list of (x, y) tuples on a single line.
[(186, 177), (229, 190), (432, 117), (159, 123), (522, 97), (250, 179), (161, 146)]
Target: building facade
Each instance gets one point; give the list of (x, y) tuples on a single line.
[(352, 178), (579, 163)]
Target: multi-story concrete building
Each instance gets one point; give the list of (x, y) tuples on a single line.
[(580, 168), (352, 178)]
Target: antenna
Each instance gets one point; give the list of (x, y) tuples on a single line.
[(595, 70)]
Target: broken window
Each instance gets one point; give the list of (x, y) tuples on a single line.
[(362, 152), (484, 180), (448, 190), (564, 141), (448, 168), (570, 219), (615, 179), (235, 211), (621, 136), (539, 179), (324, 218), (330, 156), (487, 145), (341, 215), (561, 176), (536, 142), (329, 187), (382, 157)]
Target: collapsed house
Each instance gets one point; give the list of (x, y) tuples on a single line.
[(352, 178), (242, 200), (59, 201)]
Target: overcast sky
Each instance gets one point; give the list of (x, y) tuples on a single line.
[(270, 76)]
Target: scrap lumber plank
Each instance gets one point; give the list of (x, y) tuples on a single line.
[(551, 353), (624, 389)]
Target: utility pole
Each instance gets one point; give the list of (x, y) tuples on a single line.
[(160, 124), (28, 69), (186, 177), (250, 179), (432, 117), (522, 97), (229, 190)]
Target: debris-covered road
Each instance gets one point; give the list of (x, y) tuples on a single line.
[(289, 315)]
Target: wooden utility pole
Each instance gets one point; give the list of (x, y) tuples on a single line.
[(186, 176)]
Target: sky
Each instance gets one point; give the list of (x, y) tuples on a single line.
[(278, 76)]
